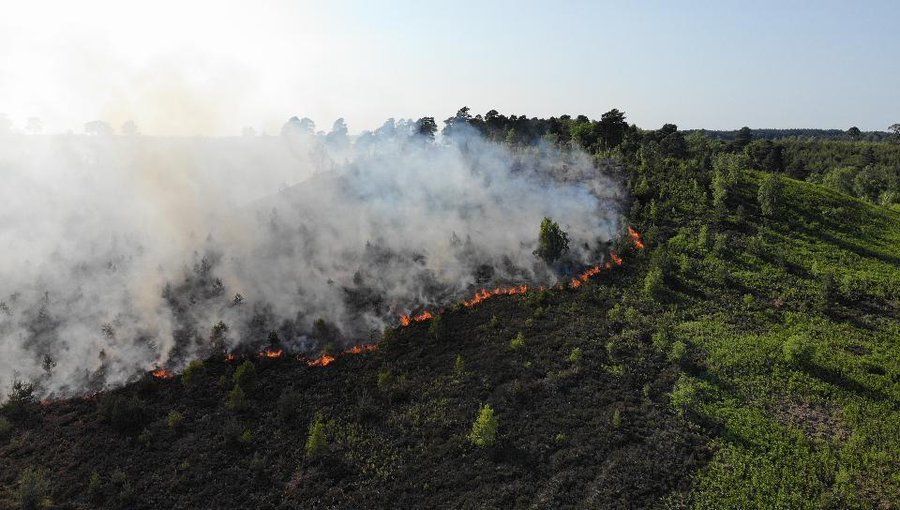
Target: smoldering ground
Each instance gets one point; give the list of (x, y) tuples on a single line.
[(120, 253)]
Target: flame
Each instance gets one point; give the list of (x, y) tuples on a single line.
[(272, 353), (615, 258), (636, 238), (322, 361), (406, 320), (361, 348), (231, 357), (162, 373), (483, 295)]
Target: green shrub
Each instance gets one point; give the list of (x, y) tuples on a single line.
[(654, 284), (495, 322), (677, 352), (769, 195), (316, 441), (20, 399), (575, 356), (237, 399), (247, 436), (517, 342), (126, 414), (616, 419), (5, 428), (191, 372), (797, 351), (553, 242), (32, 490), (684, 394), (175, 420), (661, 341), (484, 430), (459, 366), (95, 488), (245, 376), (385, 380), (289, 406), (438, 327)]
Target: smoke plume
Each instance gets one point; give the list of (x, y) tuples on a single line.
[(121, 253)]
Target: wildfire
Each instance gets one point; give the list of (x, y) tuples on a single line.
[(162, 373), (406, 320), (636, 238), (322, 361), (231, 357), (484, 294), (361, 348), (272, 353)]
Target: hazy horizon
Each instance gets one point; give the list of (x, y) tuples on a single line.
[(213, 68)]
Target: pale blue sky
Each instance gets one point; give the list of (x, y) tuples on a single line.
[(212, 67)]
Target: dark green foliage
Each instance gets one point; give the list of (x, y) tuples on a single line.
[(797, 351), (237, 399), (769, 195), (32, 491), (552, 241), (174, 420), (192, 371), (438, 327), (245, 376), (123, 413), (290, 406), (20, 399)]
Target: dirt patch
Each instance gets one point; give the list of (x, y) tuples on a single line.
[(818, 421)]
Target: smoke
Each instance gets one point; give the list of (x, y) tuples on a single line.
[(121, 253)]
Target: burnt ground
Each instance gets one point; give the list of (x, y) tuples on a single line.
[(591, 432)]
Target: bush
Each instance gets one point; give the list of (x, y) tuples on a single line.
[(654, 284), (616, 419), (95, 488), (797, 351), (237, 399), (32, 492), (684, 394), (126, 414), (245, 376), (20, 399), (677, 352), (459, 366), (438, 327), (769, 195), (191, 372), (175, 420), (289, 406), (575, 355), (5, 428), (552, 241), (484, 430), (517, 342), (316, 441)]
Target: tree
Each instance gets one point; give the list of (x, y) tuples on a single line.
[(743, 137), (98, 127), (426, 127), (295, 125), (316, 441), (769, 194), (34, 125), (552, 241), (129, 128), (453, 124), (484, 430), (854, 133), (611, 128), (895, 128)]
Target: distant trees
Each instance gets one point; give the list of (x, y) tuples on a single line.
[(426, 127), (743, 138), (611, 128), (553, 242), (854, 133), (129, 128), (895, 130), (98, 128)]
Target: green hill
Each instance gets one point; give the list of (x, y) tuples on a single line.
[(743, 360)]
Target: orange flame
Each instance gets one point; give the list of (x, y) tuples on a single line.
[(162, 373), (636, 238), (231, 357), (615, 258), (484, 294), (322, 361), (272, 353), (406, 320), (361, 348)]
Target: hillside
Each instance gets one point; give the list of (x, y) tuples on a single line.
[(742, 360)]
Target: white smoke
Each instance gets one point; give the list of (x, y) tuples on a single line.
[(118, 253)]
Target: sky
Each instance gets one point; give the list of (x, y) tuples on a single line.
[(202, 67)]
